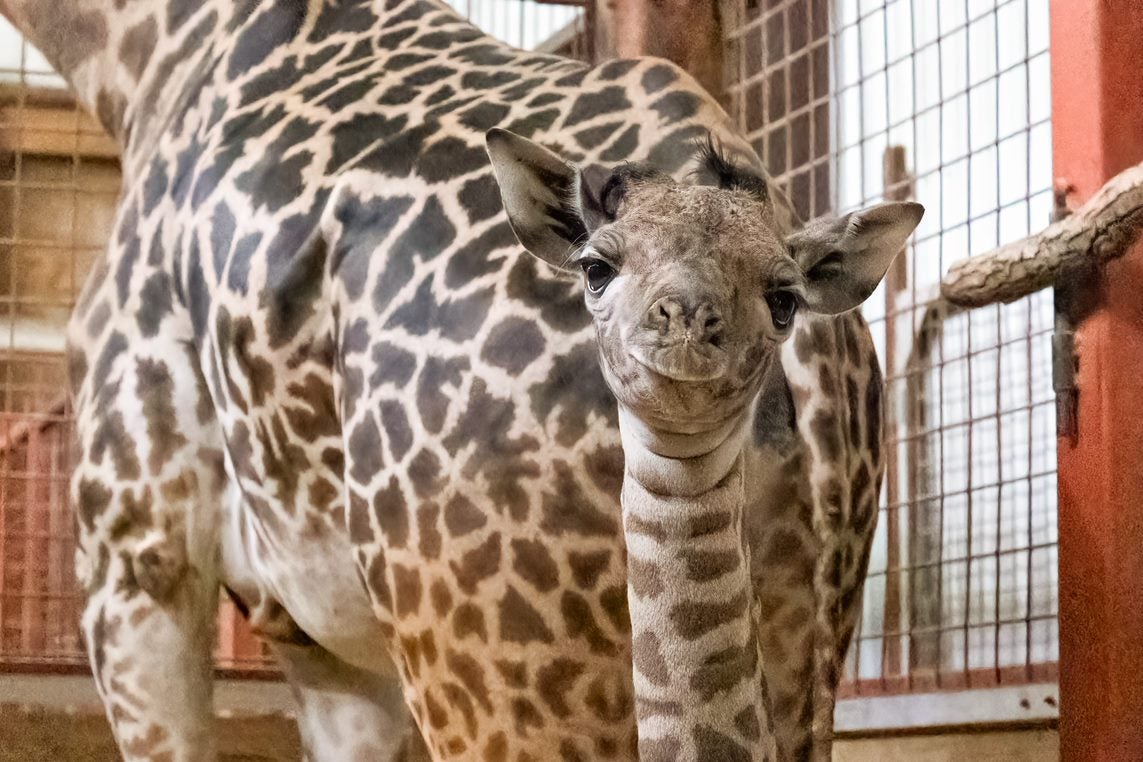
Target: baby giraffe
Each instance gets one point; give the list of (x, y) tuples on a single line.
[(692, 288)]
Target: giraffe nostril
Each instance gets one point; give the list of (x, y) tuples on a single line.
[(663, 312)]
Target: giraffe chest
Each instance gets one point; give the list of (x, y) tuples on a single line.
[(509, 616), (485, 527)]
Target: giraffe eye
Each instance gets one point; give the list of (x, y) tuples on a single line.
[(598, 274), (783, 306)]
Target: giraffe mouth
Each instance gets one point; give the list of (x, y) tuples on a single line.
[(684, 361)]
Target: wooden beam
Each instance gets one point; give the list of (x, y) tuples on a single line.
[(687, 32), (896, 180)]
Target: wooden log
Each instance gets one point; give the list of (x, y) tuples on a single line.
[(1101, 230)]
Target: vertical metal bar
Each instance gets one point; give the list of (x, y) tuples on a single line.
[(1030, 432), (32, 606), (915, 422), (997, 574), (941, 397), (1031, 550), (1029, 579), (966, 627)]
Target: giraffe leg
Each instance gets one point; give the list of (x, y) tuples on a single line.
[(346, 713), (783, 554), (147, 489), (152, 663), (152, 600)]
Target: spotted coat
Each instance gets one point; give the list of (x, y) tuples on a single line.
[(315, 367)]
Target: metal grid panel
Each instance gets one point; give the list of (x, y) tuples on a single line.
[(59, 182), (51, 192), (858, 101)]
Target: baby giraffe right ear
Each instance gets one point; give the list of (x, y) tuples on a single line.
[(549, 206)]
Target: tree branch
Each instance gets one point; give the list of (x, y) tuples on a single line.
[(1101, 230)]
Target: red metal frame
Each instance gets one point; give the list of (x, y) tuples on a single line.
[(1097, 96), (932, 681)]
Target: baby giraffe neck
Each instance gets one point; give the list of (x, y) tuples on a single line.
[(699, 692)]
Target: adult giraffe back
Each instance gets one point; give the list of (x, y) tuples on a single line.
[(314, 366)]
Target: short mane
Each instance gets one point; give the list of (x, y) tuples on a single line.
[(728, 174)]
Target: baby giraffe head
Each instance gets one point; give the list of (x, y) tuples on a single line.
[(691, 287)]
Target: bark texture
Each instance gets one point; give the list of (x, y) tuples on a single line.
[(1101, 230)]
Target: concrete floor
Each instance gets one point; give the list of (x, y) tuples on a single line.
[(59, 719), (1033, 745), (45, 735)]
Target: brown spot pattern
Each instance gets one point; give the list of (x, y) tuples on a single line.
[(462, 517), (648, 658), (407, 586), (534, 564), (478, 564), (586, 567), (520, 622), (555, 681), (694, 619)]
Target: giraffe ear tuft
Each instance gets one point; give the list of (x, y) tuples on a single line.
[(543, 195)]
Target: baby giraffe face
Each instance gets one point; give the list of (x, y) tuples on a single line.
[(691, 288), (691, 291)]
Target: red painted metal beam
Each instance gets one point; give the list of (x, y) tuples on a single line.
[(1097, 97)]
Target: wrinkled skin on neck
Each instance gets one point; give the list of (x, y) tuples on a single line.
[(699, 689), (685, 336)]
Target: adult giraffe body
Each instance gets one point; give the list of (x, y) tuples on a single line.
[(315, 366)]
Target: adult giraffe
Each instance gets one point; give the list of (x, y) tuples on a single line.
[(315, 367)]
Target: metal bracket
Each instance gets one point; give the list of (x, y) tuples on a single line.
[(1065, 365), (1075, 295), (1065, 362)]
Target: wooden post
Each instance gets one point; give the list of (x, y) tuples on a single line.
[(1097, 105), (687, 32), (896, 180)]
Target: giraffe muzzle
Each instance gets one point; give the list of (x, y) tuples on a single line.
[(682, 340)]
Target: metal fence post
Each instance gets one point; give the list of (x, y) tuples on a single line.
[(1097, 95)]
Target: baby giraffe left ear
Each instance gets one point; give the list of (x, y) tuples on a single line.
[(844, 258)]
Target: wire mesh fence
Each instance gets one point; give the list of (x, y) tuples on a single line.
[(858, 101), (58, 184)]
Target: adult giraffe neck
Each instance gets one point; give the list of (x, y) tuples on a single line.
[(699, 689), (138, 65), (128, 63)]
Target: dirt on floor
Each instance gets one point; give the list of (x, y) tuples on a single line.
[(36, 734)]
